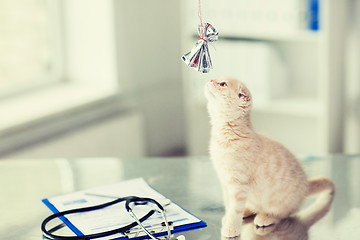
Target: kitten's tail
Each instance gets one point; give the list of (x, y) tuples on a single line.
[(317, 210)]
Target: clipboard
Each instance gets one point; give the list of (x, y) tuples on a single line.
[(116, 216)]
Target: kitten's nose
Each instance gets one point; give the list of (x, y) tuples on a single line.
[(212, 80)]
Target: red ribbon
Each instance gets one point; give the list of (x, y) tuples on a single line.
[(201, 23)]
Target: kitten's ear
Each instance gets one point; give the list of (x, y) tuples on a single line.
[(244, 94)]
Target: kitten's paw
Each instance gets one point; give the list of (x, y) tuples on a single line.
[(263, 220), (229, 230), (264, 223)]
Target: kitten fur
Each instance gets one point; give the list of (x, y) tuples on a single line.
[(256, 173)]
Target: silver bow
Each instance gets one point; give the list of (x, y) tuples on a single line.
[(199, 56)]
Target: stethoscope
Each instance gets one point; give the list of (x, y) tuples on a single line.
[(49, 234)]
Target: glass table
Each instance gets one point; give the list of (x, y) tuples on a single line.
[(190, 182)]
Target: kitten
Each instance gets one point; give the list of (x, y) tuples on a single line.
[(256, 173)]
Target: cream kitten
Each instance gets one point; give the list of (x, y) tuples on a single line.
[(255, 172)]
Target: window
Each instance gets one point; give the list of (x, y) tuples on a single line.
[(26, 45), (70, 44)]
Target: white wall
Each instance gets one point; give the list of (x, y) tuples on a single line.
[(352, 91), (149, 62)]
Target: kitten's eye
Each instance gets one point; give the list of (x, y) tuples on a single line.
[(241, 95), (223, 84)]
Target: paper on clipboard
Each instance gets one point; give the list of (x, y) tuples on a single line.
[(116, 216)]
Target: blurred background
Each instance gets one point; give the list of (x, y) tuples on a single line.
[(104, 78)]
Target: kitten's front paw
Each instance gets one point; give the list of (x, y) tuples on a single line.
[(229, 230)]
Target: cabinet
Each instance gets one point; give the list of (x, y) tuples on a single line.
[(294, 69)]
